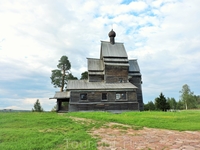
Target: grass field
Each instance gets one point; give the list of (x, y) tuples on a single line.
[(182, 121), (41, 131)]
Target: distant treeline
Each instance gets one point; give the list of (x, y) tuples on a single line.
[(188, 100), (11, 110)]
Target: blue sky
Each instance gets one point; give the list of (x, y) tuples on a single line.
[(164, 36)]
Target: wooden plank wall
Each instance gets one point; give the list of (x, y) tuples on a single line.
[(136, 80), (95, 97), (103, 107), (96, 78), (113, 73)]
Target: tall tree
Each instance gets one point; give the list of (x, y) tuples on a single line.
[(180, 105), (197, 97), (84, 75), (37, 107), (161, 103), (71, 77), (60, 76), (187, 97), (172, 103), (149, 106)]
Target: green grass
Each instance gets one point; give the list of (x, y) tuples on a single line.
[(183, 120), (42, 131), (52, 131)]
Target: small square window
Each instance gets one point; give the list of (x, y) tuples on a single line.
[(120, 95), (104, 96), (83, 96), (120, 80)]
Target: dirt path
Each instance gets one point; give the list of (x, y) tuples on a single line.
[(115, 136), (123, 138)]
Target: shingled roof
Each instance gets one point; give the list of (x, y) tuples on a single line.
[(85, 85), (109, 50), (134, 67), (95, 64), (61, 95)]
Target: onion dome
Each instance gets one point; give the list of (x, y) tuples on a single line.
[(112, 35)]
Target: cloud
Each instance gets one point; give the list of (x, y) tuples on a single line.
[(14, 108), (116, 9), (28, 104)]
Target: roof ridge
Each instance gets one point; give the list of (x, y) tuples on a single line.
[(111, 44)]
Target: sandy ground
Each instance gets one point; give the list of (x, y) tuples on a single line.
[(115, 136)]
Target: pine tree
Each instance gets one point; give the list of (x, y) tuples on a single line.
[(37, 107), (60, 76), (161, 103)]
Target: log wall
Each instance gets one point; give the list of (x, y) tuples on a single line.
[(104, 107), (136, 80), (94, 101), (96, 78), (114, 74)]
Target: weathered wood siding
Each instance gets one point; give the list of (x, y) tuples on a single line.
[(136, 80), (104, 106), (75, 96), (96, 96), (96, 78), (114, 73), (132, 96)]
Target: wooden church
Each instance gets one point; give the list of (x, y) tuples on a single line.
[(114, 83)]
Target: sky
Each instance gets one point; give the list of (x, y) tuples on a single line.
[(163, 35)]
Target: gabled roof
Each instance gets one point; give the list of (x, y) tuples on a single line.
[(112, 50), (61, 95), (133, 66), (134, 69), (85, 85), (95, 64)]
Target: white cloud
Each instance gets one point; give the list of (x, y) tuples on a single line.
[(47, 104), (14, 108), (28, 103), (118, 9)]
